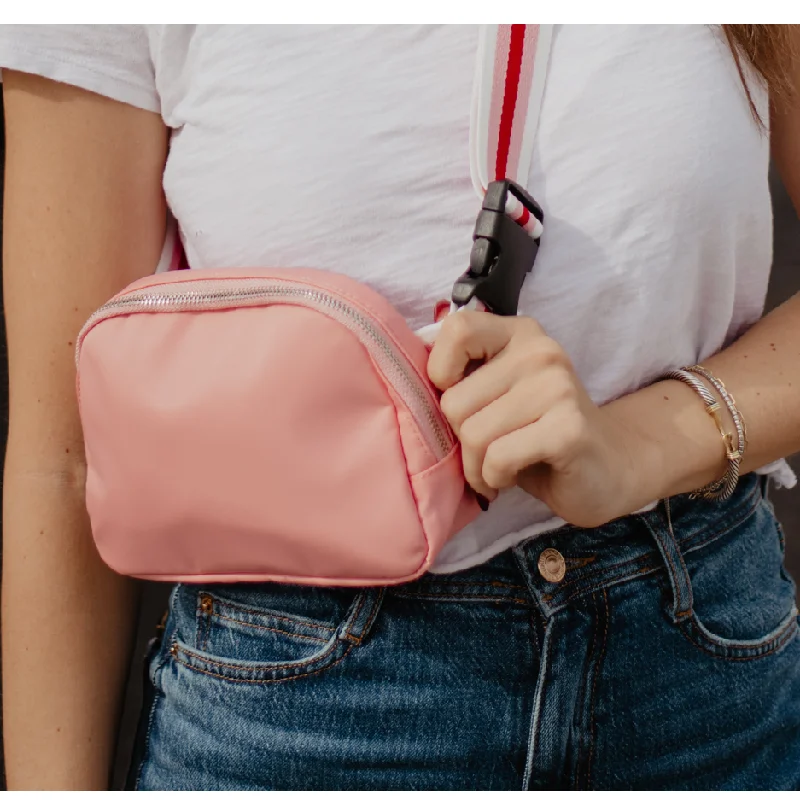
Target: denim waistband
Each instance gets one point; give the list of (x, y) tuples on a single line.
[(621, 550)]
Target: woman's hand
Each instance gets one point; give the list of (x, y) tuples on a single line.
[(524, 418)]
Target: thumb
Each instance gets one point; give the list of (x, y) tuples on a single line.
[(466, 336)]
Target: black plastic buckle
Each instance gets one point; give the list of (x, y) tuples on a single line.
[(502, 252)]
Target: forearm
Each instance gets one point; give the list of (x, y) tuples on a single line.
[(680, 447), (67, 630)]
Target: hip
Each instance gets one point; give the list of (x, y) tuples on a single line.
[(659, 651)]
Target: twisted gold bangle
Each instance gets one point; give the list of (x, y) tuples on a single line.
[(722, 488), (727, 397)]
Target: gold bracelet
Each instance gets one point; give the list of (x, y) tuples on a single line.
[(727, 398), (722, 488)]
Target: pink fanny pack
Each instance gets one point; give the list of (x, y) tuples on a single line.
[(319, 457)]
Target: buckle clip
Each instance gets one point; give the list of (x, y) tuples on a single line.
[(502, 252)]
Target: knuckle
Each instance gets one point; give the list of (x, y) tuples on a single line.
[(563, 385), (539, 353), (525, 357), (457, 327), (528, 326), (471, 436), (574, 429), (549, 353), (450, 406), (497, 471)]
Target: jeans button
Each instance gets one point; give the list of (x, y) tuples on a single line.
[(552, 566)]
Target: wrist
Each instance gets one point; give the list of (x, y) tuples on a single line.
[(673, 444)]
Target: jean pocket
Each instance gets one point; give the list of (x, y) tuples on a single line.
[(269, 632), (743, 600)]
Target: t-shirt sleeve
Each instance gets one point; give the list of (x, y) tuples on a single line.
[(111, 60)]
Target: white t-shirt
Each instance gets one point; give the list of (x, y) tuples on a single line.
[(346, 148)]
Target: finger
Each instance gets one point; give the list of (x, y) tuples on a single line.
[(524, 358), (499, 418), (466, 336), (477, 390), (553, 439), (525, 403)]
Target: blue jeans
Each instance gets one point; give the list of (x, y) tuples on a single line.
[(666, 657)]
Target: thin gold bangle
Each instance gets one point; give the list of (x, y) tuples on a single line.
[(722, 488), (727, 398)]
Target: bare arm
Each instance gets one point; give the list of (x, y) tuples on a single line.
[(761, 369), (525, 418), (84, 216)]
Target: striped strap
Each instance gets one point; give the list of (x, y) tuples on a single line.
[(507, 96)]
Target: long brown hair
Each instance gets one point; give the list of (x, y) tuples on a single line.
[(770, 50)]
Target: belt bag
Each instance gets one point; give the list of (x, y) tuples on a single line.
[(278, 424)]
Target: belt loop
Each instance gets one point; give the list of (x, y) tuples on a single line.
[(362, 614), (681, 584)]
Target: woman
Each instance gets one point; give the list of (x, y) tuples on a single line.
[(644, 644)]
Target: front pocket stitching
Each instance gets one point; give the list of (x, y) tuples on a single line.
[(624, 577), (177, 648), (721, 641), (593, 575), (788, 631), (601, 572), (452, 597), (267, 628), (444, 585), (255, 612), (265, 680), (263, 668)]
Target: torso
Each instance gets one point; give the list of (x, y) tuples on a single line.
[(346, 148)]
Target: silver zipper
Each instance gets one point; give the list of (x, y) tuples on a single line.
[(403, 378)]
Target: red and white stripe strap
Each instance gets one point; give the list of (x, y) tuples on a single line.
[(507, 96)]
